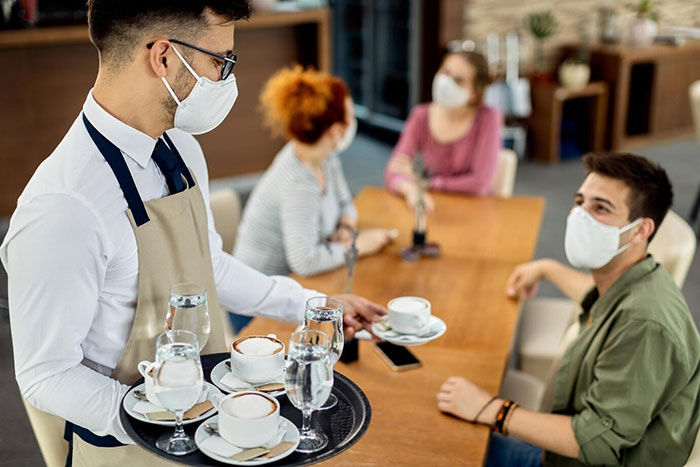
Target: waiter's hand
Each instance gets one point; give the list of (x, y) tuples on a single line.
[(359, 313)]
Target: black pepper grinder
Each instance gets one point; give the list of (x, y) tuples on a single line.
[(350, 347)]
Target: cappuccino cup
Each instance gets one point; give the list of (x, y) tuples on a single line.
[(146, 369), (248, 419), (409, 315), (257, 359)]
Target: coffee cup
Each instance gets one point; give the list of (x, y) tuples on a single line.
[(257, 358), (146, 369), (248, 419), (409, 315)]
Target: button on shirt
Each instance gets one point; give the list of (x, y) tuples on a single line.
[(631, 378), (72, 263)]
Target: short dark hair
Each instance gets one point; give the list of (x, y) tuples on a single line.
[(117, 26), (651, 193)]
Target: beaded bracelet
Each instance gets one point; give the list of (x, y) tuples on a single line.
[(502, 414), (509, 415)]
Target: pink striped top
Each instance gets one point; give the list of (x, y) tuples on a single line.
[(467, 165)]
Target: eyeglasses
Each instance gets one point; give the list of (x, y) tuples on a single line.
[(229, 60)]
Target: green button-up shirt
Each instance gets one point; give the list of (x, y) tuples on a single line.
[(631, 378)]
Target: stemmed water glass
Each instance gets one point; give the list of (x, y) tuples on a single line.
[(326, 314), (177, 382), (188, 310), (308, 381)]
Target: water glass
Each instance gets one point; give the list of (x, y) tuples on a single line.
[(326, 314), (308, 381), (177, 383), (188, 310)]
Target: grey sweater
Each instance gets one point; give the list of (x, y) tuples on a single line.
[(288, 219)]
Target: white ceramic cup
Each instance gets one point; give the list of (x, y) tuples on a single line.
[(247, 432), (257, 368), (146, 369), (409, 315)]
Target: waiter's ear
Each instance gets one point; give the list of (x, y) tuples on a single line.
[(159, 56)]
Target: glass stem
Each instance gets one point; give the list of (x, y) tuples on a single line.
[(306, 422), (179, 430)]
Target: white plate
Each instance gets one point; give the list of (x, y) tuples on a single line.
[(437, 329), (291, 435), (130, 401), (220, 370)]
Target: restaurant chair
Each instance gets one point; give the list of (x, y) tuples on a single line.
[(694, 92), (504, 179), (544, 320), (48, 430), (226, 208)]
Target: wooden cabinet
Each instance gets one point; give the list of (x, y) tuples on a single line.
[(46, 73), (648, 90)]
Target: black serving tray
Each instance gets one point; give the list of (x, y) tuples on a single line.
[(344, 424)]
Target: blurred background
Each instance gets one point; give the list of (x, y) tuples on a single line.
[(570, 76)]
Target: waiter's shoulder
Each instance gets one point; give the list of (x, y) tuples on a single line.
[(75, 169)]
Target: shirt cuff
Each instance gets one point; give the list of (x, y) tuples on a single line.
[(590, 431)]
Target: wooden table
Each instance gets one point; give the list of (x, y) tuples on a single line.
[(482, 240)]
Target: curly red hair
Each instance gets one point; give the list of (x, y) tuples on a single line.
[(303, 103)]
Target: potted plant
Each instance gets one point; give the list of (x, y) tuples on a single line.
[(541, 25), (575, 72), (643, 29)]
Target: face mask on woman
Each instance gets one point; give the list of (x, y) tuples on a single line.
[(348, 137), (447, 93)]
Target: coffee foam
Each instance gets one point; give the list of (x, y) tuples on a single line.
[(249, 406), (408, 305), (257, 346)]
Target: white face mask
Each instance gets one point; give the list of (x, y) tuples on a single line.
[(447, 93), (591, 244), (348, 136), (207, 105)]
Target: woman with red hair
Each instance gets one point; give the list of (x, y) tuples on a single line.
[(300, 217)]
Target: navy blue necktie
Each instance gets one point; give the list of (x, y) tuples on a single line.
[(169, 165)]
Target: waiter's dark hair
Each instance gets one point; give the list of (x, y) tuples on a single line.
[(118, 26), (651, 193)]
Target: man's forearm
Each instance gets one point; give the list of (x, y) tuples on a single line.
[(574, 284), (551, 432)]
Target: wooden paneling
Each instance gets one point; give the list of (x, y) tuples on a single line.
[(466, 289), (45, 75)]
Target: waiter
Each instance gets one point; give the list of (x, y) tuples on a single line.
[(120, 211)]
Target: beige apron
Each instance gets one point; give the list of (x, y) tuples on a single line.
[(173, 247)]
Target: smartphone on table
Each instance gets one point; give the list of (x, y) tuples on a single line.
[(397, 357)]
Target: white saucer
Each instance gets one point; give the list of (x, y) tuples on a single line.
[(221, 369), (291, 435), (436, 325), (130, 401)]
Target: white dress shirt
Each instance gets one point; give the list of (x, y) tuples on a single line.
[(72, 263)]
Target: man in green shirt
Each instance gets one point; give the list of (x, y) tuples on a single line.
[(627, 388)]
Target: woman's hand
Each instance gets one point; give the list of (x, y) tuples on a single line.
[(409, 190), (402, 165), (371, 241)]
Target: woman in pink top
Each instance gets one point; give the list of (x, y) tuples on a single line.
[(458, 136)]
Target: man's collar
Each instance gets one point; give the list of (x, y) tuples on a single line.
[(137, 145)]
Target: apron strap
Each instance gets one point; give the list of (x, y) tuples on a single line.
[(116, 161), (183, 167), (89, 437)]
